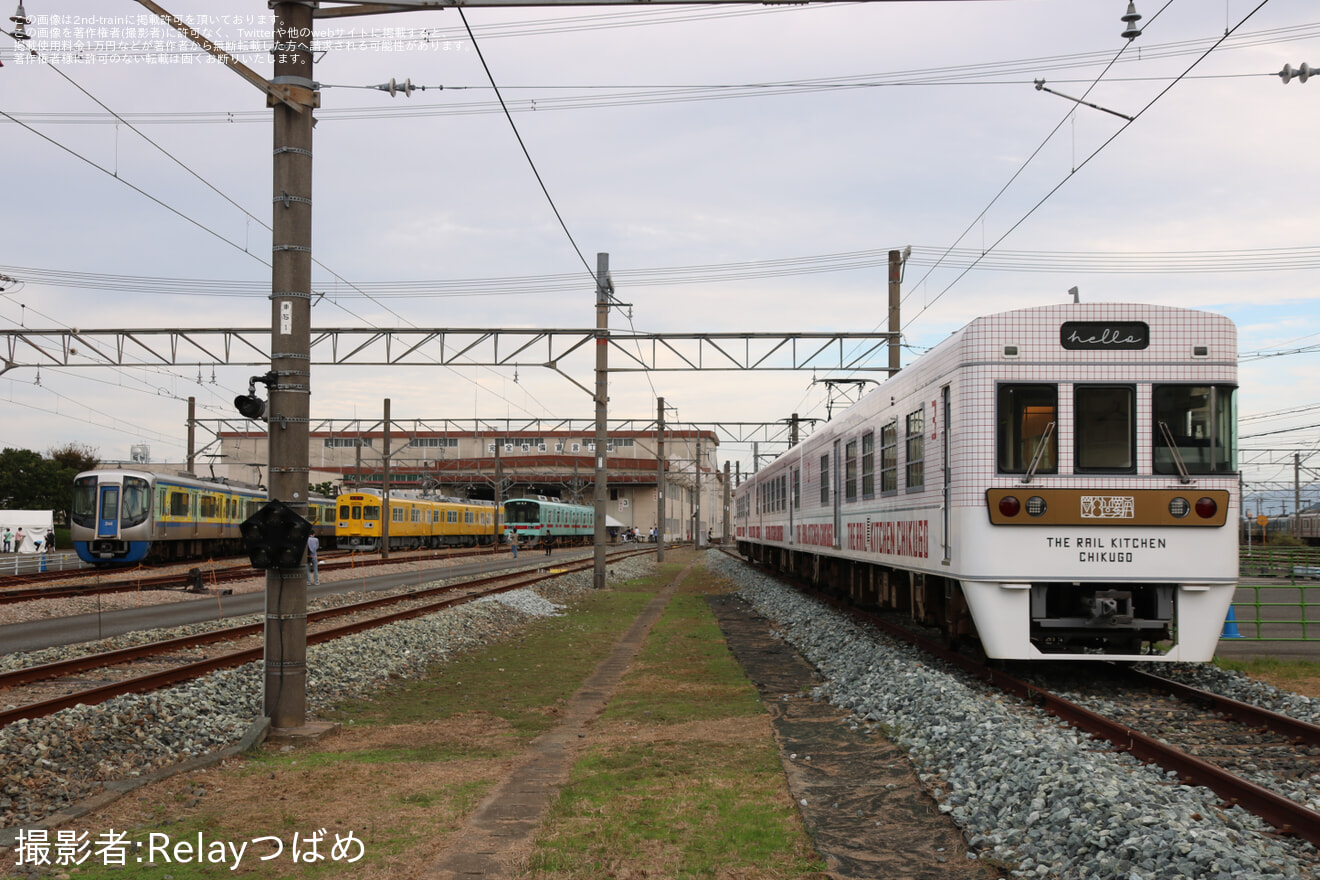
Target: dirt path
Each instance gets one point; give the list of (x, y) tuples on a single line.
[(499, 834)]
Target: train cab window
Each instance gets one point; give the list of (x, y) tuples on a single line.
[(1104, 428), (84, 502), (1025, 420), (136, 504), (1197, 425), (346, 512)]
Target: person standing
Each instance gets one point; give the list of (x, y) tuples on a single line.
[(9, 540), (18, 540), (50, 541), (313, 568), (513, 545)]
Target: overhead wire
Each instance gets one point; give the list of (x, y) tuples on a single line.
[(214, 189), (1087, 160), (541, 182)]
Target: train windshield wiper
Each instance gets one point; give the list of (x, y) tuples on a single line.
[(1040, 451), (1177, 455)]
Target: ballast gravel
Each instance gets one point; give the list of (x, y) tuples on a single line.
[(49, 764), (1028, 791)]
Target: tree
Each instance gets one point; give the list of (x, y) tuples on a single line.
[(30, 482), (326, 488), (75, 457)]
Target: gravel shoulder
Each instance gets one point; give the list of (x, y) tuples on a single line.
[(864, 806)]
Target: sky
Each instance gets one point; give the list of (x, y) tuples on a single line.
[(746, 168)]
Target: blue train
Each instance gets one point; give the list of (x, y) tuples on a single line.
[(120, 517), (531, 520)]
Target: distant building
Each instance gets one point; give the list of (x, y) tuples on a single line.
[(556, 464)]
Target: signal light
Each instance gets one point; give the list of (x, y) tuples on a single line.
[(1009, 506), (249, 405), (1206, 508), (275, 536)]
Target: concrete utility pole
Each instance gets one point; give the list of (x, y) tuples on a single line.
[(895, 281), (699, 539), (604, 290), (192, 437), (660, 473), (385, 515), (725, 526), (290, 353)]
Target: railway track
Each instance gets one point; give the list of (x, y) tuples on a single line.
[(1232, 748), (420, 602), (1122, 731), (206, 577)]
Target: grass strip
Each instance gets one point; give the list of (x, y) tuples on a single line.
[(683, 779)]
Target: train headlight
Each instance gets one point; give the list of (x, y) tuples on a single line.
[(1179, 507), (1206, 508), (1036, 505), (1009, 506)]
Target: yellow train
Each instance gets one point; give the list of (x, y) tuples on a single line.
[(414, 522)]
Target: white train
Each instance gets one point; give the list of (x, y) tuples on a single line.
[(1060, 482)]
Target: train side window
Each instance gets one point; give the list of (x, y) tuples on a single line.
[(889, 458), (915, 450), (1104, 425), (1201, 422), (179, 504), (1026, 418), (371, 511), (797, 488), (850, 471), (868, 464), (824, 479)]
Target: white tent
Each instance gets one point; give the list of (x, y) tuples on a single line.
[(34, 523)]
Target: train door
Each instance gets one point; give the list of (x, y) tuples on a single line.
[(792, 507), (107, 512), (834, 492), (948, 472)]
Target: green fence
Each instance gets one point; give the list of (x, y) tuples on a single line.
[(1278, 595)]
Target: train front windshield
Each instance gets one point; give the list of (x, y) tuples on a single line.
[(129, 504), (516, 514)]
